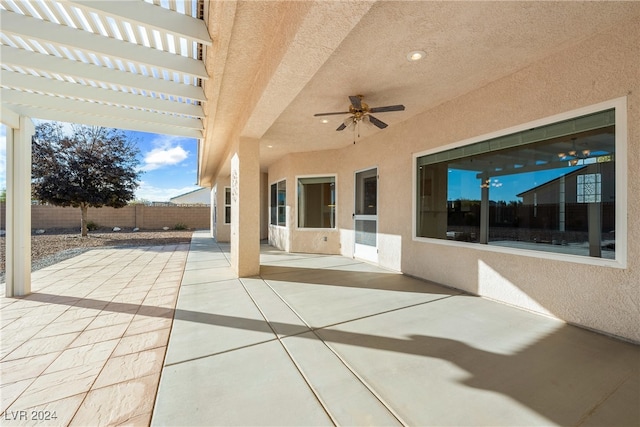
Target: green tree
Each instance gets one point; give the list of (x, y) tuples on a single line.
[(3, 195), (94, 166)]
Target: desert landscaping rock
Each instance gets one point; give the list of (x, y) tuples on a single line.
[(58, 245)]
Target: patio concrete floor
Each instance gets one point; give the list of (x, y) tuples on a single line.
[(314, 340)]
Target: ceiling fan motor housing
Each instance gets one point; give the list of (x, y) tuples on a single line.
[(359, 112)]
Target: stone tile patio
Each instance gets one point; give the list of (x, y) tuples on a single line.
[(87, 346), (314, 340)]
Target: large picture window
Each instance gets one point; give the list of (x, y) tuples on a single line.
[(317, 202), (279, 203), (550, 188)]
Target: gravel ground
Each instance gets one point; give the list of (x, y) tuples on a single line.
[(57, 245)]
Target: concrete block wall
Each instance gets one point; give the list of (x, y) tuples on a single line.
[(141, 216)]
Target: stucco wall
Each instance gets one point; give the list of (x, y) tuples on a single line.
[(605, 298), (323, 241)]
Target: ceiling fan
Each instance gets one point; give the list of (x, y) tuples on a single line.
[(362, 112)]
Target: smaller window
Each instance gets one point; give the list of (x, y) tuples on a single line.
[(227, 205), (279, 203), (317, 202)]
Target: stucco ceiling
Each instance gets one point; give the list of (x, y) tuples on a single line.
[(275, 64)]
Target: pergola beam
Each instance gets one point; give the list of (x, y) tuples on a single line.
[(9, 118), (149, 16), (79, 70), (72, 38), (81, 117), (14, 97), (75, 90)]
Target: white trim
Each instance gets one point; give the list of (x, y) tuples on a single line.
[(114, 122), (9, 118), (297, 196), (620, 106), (373, 256), (595, 108), (224, 204), (28, 82), (285, 206), (144, 14), (15, 97), (80, 70), (61, 35)]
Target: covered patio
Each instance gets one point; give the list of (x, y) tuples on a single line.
[(229, 331), (171, 336)]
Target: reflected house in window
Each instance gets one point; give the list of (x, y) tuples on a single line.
[(486, 192), (569, 203)]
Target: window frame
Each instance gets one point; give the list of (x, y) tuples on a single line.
[(621, 176), (227, 218), (335, 209), (276, 206)]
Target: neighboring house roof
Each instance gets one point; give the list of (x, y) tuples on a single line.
[(199, 195), (551, 182)]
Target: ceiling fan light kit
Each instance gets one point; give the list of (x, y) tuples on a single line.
[(361, 112)]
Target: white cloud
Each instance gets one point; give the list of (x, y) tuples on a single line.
[(156, 194), (168, 152)]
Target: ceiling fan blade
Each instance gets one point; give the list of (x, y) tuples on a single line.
[(330, 114), (377, 122), (342, 127), (387, 108), (356, 102)]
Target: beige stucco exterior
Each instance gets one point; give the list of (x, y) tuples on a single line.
[(598, 70), (537, 63)]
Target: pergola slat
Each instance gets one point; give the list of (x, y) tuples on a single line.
[(15, 97), (150, 16), (34, 28), (53, 64), (113, 122), (75, 90)]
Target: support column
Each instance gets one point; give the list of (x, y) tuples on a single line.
[(595, 230), (484, 210), (245, 208), (562, 204), (18, 260)]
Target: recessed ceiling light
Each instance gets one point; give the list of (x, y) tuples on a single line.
[(269, 146), (416, 55), (325, 121)]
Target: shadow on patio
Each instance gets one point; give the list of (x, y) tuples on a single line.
[(315, 340)]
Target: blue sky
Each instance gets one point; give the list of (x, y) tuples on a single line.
[(465, 185), (169, 164)]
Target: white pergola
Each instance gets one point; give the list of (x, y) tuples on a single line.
[(127, 64)]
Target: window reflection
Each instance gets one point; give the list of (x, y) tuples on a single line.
[(553, 193)]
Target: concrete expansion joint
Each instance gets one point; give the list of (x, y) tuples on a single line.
[(289, 355), (382, 312), (369, 388), (589, 413), (230, 350)]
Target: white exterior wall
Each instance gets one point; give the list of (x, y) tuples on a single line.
[(202, 196), (605, 298)]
